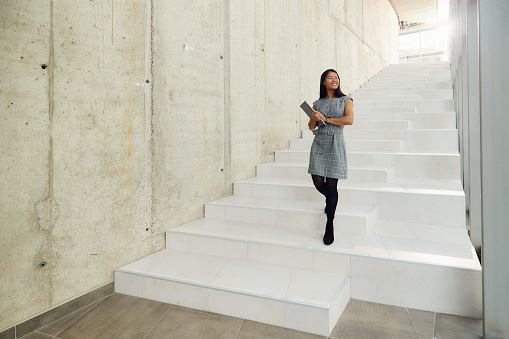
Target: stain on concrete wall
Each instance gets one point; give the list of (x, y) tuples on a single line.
[(228, 78)]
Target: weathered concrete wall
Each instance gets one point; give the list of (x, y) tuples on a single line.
[(229, 77), (73, 149), (81, 190)]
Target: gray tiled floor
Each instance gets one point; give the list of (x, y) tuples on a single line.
[(121, 316)]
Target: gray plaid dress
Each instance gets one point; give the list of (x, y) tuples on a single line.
[(328, 152)]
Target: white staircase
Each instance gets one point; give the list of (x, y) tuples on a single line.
[(399, 228)]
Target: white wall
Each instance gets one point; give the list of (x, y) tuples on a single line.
[(479, 59)]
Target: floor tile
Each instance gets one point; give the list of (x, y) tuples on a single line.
[(59, 325), (62, 310), (37, 335), (254, 330), (454, 327), (423, 321), (8, 333), (181, 322), (118, 316), (363, 319)]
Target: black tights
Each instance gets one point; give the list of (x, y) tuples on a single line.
[(329, 188)]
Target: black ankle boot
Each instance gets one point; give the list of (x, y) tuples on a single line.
[(328, 237)]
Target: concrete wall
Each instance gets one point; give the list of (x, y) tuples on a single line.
[(96, 163), (229, 77)]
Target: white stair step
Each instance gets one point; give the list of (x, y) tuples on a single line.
[(304, 249), (386, 109), (381, 124), (410, 95), (360, 97), (375, 134), (412, 203), (431, 140), (390, 81), (385, 95), (271, 294), (299, 213), (436, 105), (419, 120), (354, 145), (413, 140), (444, 93), (298, 170), (373, 89), (385, 103), (407, 165), (438, 85), (374, 145)]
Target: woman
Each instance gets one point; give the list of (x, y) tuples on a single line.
[(327, 160)]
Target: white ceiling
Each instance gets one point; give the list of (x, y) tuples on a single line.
[(414, 11)]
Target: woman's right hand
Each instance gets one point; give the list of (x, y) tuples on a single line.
[(318, 116)]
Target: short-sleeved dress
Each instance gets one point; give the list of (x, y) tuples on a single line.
[(328, 152)]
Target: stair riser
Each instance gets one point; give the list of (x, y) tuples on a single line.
[(421, 120), (365, 175), (390, 80), (442, 121), (374, 134), (403, 90), (435, 106), (263, 253), (411, 71), (388, 95), (385, 103), (445, 141), (432, 209), (346, 195), (381, 124), (386, 109), (354, 145), (269, 311), (429, 166), (419, 286), (308, 221), (361, 97)]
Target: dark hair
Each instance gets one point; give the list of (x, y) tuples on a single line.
[(323, 90)]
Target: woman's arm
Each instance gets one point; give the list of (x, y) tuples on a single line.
[(316, 116), (347, 119)]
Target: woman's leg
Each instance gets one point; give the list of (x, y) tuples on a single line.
[(331, 187), (319, 183)]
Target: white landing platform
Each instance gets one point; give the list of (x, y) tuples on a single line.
[(302, 299), (400, 235)]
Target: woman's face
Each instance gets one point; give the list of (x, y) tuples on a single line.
[(331, 81)]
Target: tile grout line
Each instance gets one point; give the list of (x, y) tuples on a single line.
[(413, 325), (240, 327), (100, 301), (171, 306), (434, 324)]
